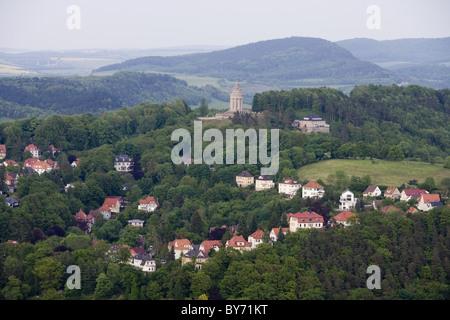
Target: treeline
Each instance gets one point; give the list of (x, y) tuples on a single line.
[(93, 94), (386, 122)]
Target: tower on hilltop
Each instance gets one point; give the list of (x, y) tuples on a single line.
[(236, 99)]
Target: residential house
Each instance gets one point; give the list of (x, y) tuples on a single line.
[(105, 211), (82, 218), (113, 203), (180, 247), (53, 150), (123, 163), (75, 163), (344, 218), (10, 163), (12, 202), (263, 182), (392, 192), (40, 167), (275, 232), (312, 123), (33, 150), (312, 190), (207, 245), (148, 204), (245, 179), (196, 255), (144, 261), (372, 191), (238, 243), (2, 151), (428, 202), (347, 200), (409, 194), (136, 250), (256, 238), (53, 164), (387, 209), (304, 220), (29, 162), (11, 181), (412, 210), (289, 187), (136, 223)]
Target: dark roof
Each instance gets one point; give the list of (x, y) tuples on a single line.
[(312, 117), (263, 177), (196, 252), (123, 158), (245, 174)]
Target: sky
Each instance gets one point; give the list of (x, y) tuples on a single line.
[(148, 24)]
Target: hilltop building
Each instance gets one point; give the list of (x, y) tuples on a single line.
[(236, 105), (312, 123)]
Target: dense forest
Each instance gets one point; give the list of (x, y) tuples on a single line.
[(412, 250), (22, 97), (387, 122)]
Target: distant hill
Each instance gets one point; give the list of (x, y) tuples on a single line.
[(423, 51), (288, 62), (420, 61), (21, 97)]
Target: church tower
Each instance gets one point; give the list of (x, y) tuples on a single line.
[(236, 99)]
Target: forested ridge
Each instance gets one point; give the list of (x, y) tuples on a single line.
[(412, 250), (23, 97)]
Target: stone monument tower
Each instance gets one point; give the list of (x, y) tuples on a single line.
[(236, 99)]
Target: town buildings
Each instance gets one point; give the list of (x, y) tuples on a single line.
[(244, 179), (304, 220), (289, 187), (313, 190), (123, 163), (264, 182)]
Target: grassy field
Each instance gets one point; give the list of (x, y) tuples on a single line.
[(382, 172)]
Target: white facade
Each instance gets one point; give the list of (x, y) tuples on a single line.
[(347, 200), (312, 190), (289, 187), (263, 183)]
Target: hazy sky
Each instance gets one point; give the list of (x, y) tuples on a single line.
[(42, 24)]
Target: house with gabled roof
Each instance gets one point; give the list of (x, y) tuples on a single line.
[(304, 220), (180, 247), (275, 232), (238, 243), (347, 200), (40, 167), (148, 204), (256, 238), (137, 223), (428, 202), (392, 192), (313, 190), (33, 150), (409, 194), (207, 245), (113, 203), (197, 255), (372, 191), (344, 218), (144, 261)]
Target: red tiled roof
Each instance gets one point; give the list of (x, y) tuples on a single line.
[(343, 216), (277, 231), (258, 234), (390, 190), (179, 244), (305, 216), (238, 242), (31, 147), (313, 184), (80, 215), (111, 202), (427, 198), (148, 200), (208, 244), (410, 192)]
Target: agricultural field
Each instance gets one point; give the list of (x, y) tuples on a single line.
[(382, 172)]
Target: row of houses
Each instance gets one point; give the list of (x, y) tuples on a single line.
[(288, 186), (35, 152), (199, 254)]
